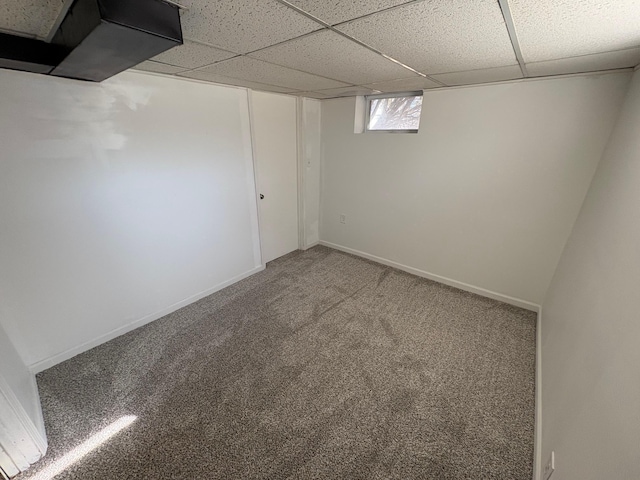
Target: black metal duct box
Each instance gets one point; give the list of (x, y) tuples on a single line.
[(19, 53), (109, 36)]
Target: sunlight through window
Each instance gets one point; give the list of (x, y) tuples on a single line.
[(84, 449), (394, 113)]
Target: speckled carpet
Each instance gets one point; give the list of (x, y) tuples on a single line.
[(323, 366)]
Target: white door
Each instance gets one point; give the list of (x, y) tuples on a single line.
[(275, 150)]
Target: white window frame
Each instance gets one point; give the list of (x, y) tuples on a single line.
[(367, 111)]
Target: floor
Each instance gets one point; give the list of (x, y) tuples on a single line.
[(323, 366)]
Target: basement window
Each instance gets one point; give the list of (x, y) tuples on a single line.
[(393, 113)]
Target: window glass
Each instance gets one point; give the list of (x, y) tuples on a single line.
[(395, 113)]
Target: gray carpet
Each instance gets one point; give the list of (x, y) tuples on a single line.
[(323, 366)]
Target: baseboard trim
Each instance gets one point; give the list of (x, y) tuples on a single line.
[(537, 445), (437, 278), (72, 352)]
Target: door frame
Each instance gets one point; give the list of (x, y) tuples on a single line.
[(300, 143), (21, 444)]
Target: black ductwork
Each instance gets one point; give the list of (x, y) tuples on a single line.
[(19, 53), (98, 39)]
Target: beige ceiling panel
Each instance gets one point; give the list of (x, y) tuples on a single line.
[(586, 63), (348, 92), (337, 11), (330, 54), (480, 76), (243, 25), (551, 29), (317, 95), (30, 17), (250, 69), (156, 67), (404, 85), (213, 78), (439, 36), (193, 55)]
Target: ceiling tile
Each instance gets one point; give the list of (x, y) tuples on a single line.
[(586, 63), (30, 17), (156, 67), (330, 54), (337, 11), (193, 55), (348, 92), (439, 36), (404, 85), (253, 70), (213, 78), (480, 76), (318, 95), (550, 29), (243, 25)]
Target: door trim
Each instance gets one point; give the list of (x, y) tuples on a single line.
[(300, 165), (21, 443)]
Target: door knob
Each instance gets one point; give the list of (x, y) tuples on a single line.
[(261, 197)]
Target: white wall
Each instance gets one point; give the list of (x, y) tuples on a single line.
[(487, 192), (311, 156), (22, 433), (590, 323), (119, 202)]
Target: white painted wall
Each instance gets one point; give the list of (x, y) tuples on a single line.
[(119, 202), (311, 155), (590, 323), (487, 192)]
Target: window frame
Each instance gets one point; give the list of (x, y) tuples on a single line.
[(367, 111)]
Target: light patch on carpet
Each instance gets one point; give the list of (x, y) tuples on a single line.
[(84, 449)]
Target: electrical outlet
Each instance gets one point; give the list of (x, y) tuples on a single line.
[(343, 218), (549, 467)]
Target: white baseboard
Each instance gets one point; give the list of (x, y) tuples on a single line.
[(437, 278), (72, 352), (537, 446)]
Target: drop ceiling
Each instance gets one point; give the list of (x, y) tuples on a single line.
[(326, 49)]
